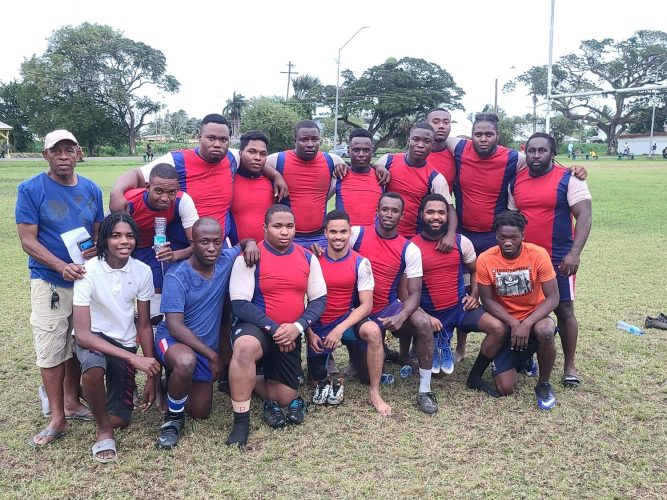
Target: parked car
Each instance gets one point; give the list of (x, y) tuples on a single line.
[(341, 150)]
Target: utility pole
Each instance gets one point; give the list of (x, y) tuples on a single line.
[(289, 74)]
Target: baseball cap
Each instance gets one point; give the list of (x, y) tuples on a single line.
[(53, 138)]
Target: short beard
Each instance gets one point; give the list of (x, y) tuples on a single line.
[(436, 234)]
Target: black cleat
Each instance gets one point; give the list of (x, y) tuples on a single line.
[(477, 384), (170, 431), (273, 414), (296, 411)]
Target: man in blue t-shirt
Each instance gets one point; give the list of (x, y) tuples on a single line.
[(186, 343), (57, 214)]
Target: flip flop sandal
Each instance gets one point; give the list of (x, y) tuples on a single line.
[(571, 381), (104, 445), (56, 435), (84, 415)]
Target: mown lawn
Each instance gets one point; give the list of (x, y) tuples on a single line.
[(606, 439)]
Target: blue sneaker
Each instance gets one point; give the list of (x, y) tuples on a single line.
[(528, 367), (546, 399), (446, 357), (436, 355)]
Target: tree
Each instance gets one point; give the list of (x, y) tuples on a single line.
[(309, 92), (394, 90), (12, 113), (233, 109), (604, 65), (273, 117), (97, 67)]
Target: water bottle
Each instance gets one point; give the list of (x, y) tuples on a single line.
[(406, 371), (634, 330), (387, 379), (160, 237)]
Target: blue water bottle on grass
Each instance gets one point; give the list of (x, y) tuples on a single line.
[(634, 330)]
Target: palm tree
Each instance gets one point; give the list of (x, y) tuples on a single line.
[(233, 109)]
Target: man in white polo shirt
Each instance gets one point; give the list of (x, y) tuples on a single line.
[(106, 334)]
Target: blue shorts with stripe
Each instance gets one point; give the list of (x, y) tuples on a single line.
[(350, 335), (457, 317), (202, 371)]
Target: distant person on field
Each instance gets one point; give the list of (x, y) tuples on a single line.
[(48, 207), (149, 152), (106, 335), (570, 148)]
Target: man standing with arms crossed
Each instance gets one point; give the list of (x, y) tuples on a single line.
[(49, 206), (548, 195)]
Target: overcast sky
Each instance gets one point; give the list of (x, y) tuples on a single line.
[(215, 48)]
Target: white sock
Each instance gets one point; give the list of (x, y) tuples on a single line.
[(155, 304), (424, 380)]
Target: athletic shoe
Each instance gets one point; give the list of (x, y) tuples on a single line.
[(427, 402), (436, 358), (446, 358), (170, 431), (336, 392), (321, 392), (273, 414), (296, 411), (546, 399), (659, 322), (528, 367)]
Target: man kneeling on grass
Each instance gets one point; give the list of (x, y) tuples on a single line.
[(517, 284), (106, 334)]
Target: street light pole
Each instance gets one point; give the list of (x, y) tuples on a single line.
[(547, 125), (338, 81), (650, 142)]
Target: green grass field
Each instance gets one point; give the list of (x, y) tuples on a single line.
[(607, 439)]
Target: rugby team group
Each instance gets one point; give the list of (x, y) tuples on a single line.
[(454, 234)]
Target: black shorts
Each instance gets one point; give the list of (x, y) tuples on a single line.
[(119, 377), (283, 367)]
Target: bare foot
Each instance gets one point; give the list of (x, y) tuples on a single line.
[(382, 408), (458, 356)]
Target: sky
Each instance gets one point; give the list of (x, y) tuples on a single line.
[(216, 48)]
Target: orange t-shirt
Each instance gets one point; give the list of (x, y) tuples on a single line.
[(517, 283)]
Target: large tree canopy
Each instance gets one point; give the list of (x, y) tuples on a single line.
[(273, 117), (98, 73), (605, 65), (394, 90)]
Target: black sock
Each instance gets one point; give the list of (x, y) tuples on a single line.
[(241, 429), (481, 364)]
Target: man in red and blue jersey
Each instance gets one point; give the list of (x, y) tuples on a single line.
[(350, 284), (548, 195), (268, 301), (441, 158), (391, 257), (206, 173), (444, 296), (308, 173), (358, 192), (253, 191), (413, 177), (161, 198)]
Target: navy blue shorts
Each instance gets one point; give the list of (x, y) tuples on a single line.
[(481, 241), (391, 310), (565, 285), (306, 240), (147, 256), (507, 359), (456, 317), (350, 335), (202, 372)]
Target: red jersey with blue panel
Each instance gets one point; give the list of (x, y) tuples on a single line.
[(309, 184), (413, 183), (481, 190), (210, 185), (358, 194), (390, 258), (251, 199), (545, 201), (443, 162)]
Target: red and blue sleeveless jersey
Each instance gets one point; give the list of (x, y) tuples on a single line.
[(209, 184), (144, 216), (308, 183), (443, 162), (341, 277), (281, 282), (251, 199), (387, 258), (543, 200), (358, 194), (481, 190), (412, 183), (442, 284)]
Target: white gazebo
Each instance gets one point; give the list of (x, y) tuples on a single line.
[(4, 135)]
